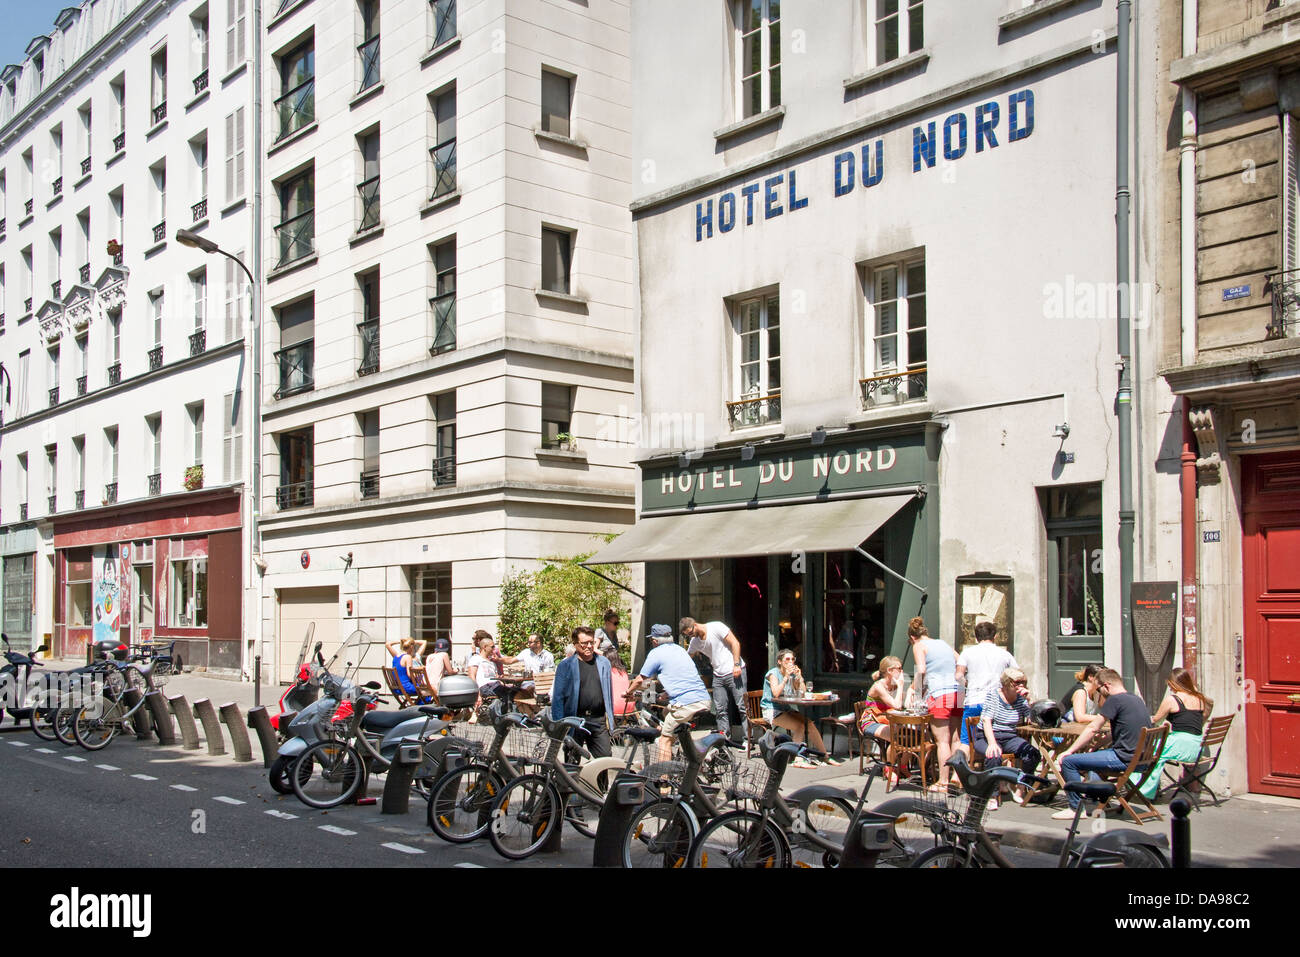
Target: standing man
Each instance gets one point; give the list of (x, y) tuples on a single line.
[(980, 667), (607, 636), (582, 689), (1127, 714), (687, 696), (722, 648)]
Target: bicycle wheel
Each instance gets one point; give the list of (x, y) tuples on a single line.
[(830, 819), (135, 680), (583, 815), (460, 803), (1136, 855), (340, 775), (62, 726), (659, 835), (944, 857), (41, 716), (740, 839), (912, 833), (523, 816), (94, 733), (282, 767)]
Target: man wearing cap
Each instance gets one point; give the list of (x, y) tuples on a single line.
[(717, 642), (583, 689), (674, 669), (438, 665)]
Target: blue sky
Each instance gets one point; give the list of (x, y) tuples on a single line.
[(24, 19)]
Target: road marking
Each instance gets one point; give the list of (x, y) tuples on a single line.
[(108, 767), (19, 744), (143, 777), (340, 831), (226, 800), (468, 864), (182, 787), (282, 814), (46, 751), (393, 846), (73, 757)]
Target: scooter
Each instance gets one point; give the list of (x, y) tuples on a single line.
[(15, 693)]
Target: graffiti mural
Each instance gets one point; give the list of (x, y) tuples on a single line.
[(108, 604)]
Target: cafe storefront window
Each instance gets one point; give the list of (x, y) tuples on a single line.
[(853, 641)]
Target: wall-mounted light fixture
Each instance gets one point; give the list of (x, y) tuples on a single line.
[(747, 451), (818, 435)]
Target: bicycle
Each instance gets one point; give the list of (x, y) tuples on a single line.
[(97, 723)]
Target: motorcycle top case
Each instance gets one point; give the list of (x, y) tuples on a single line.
[(457, 691)]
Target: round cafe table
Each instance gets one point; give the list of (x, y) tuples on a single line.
[(800, 702)]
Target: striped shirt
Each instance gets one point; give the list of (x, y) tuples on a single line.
[(1005, 716)]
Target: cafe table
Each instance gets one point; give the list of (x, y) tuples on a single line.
[(1051, 742), (799, 701)]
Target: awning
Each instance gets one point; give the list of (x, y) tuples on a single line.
[(837, 525)]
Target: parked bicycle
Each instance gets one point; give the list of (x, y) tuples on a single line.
[(113, 709)]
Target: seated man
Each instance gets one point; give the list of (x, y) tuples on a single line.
[(1004, 709), (676, 671), (485, 667), (535, 657), (1127, 714)]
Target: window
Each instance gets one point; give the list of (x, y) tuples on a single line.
[(199, 295), (368, 327), (557, 102), (557, 259), (235, 155), (195, 413), (29, 280), (236, 31), (52, 476), (24, 380), (368, 426), (296, 357), (83, 125), (118, 89), (79, 466), (368, 49), (158, 86), (56, 263), (443, 107), (431, 602), (897, 24), (156, 309), (199, 171), (444, 20), (757, 323), (117, 203), (23, 481), (444, 453), (83, 245), (82, 363), (443, 302), (297, 229), (115, 337), (557, 416), (153, 425), (236, 293), (189, 592), (896, 360), (854, 611), (39, 62), (296, 451), (80, 589), (56, 158), (29, 183), (199, 47), (296, 106), (158, 174), (110, 453), (368, 188), (54, 375), (758, 53), (232, 436)]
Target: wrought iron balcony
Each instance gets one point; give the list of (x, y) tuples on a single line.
[(200, 209), (294, 495), (155, 358), (110, 493), (27, 305), (444, 323), (369, 54), (296, 367), (115, 373), (53, 504), (2, 323), (58, 187), (119, 142), (369, 331), (160, 113), (200, 82), (444, 470), (160, 232), (81, 385), (2, 228), (54, 396), (297, 108), (117, 258), (198, 342), (370, 483), (894, 387), (27, 206), (56, 289), (83, 274), (444, 168), (369, 192), (155, 483), (22, 512), (754, 410), (297, 237), (1284, 287), (444, 18), (80, 499), (85, 166)]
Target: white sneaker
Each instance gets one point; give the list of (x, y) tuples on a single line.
[(1065, 814)]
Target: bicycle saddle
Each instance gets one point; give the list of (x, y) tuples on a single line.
[(981, 783), (641, 734), (433, 711), (1092, 790), (777, 750), (384, 720)]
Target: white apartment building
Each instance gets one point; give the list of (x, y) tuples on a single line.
[(449, 332), (121, 455)]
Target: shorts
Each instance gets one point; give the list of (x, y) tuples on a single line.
[(676, 714), (873, 728), (972, 711), (941, 708)]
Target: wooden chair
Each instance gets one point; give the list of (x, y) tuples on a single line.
[(757, 723), (395, 688), (423, 687), (847, 723), (1189, 776), (1150, 744), (909, 738), (542, 684)]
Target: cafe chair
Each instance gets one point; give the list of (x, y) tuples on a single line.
[(1149, 746), (1189, 776), (909, 738), (758, 725), (849, 723), (395, 687)]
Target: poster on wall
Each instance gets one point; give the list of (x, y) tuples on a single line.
[(108, 605), (984, 597)]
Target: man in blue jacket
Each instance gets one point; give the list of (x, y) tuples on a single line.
[(583, 689)]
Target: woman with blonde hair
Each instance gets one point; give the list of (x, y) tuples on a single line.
[(1186, 709), (884, 695), (936, 671)]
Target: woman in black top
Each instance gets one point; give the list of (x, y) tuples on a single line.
[(1080, 701), (1186, 710)]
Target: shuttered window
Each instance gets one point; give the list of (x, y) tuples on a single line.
[(232, 436), (236, 31), (1291, 192), (235, 155)]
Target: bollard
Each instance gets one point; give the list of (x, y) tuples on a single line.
[(1180, 833), (234, 723), (185, 718), (140, 719), (162, 719), (260, 722), (397, 784), (257, 682), (211, 726)]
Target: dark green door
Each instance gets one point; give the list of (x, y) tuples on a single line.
[(1075, 613)]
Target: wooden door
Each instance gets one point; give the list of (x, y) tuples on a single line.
[(1271, 594)]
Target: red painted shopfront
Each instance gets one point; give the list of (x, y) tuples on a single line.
[(168, 570)]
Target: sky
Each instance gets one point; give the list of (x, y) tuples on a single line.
[(24, 19)]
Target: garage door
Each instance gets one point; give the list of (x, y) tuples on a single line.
[(299, 609)]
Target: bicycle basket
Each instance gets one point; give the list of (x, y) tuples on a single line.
[(526, 744), (950, 806), (664, 776), (476, 738), (161, 673), (749, 781)]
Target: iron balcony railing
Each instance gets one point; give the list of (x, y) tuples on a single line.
[(22, 512), (81, 385), (754, 410), (296, 367), (115, 373), (369, 54), (297, 237), (293, 495), (58, 186), (53, 504), (297, 108), (84, 272), (85, 166), (444, 18), (119, 142), (2, 228), (200, 82), (370, 483), (444, 168), (2, 323), (198, 342), (893, 387), (369, 193), (79, 499), (444, 323), (54, 396), (110, 493), (200, 210), (1284, 287), (160, 113), (56, 289), (155, 358), (117, 258), (160, 232), (27, 305), (27, 206), (155, 483), (444, 470), (369, 331)]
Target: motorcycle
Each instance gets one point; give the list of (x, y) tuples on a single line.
[(16, 694)]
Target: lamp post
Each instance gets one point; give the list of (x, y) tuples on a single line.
[(187, 237)]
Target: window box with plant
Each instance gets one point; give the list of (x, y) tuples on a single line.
[(193, 478)]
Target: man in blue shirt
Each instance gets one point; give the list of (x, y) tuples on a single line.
[(675, 670), (583, 689)]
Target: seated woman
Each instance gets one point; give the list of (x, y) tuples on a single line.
[(403, 656), (884, 695), (784, 681), (1080, 701), (619, 681), (1186, 709), (1007, 707)]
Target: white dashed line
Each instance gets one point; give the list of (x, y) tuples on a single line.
[(73, 757), (283, 815), (108, 767), (46, 751), (182, 787), (340, 831), (403, 848), (226, 800), (143, 777), (468, 864), (19, 744)]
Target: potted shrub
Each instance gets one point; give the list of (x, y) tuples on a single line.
[(114, 247), (193, 478), (564, 440)]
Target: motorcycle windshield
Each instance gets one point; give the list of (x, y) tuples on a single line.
[(306, 647), (360, 658)]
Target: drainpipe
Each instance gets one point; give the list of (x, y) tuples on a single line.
[(1187, 223), (1188, 489), (255, 512), (1124, 395)]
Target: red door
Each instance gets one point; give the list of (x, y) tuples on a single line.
[(1271, 565)]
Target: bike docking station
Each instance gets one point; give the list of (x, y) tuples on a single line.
[(625, 795), (397, 783)]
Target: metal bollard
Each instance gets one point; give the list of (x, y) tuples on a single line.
[(185, 718), (140, 720), (162, 718), (257, 682), (625, 796), (234, 723), (1180, 833), (211, 726), (260, 722)]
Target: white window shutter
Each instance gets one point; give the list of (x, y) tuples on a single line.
[(1290, 191), (239, 151), (236, 28), (230, 157)]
